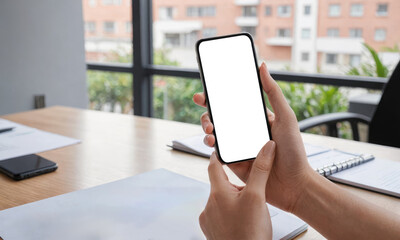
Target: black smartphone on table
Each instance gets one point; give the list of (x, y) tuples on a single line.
[(234, 96), (27, 166)]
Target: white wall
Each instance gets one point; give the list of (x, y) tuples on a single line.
[(305, 45), (41, 52)]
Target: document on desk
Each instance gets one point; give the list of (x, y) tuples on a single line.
[(379, 175), (155, 205), (23, 140), (196, 146)]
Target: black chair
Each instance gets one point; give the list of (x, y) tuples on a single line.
[(384, 126)]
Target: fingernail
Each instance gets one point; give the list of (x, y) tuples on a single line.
[(270, 149)]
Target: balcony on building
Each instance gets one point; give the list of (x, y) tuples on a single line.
[(280, 41), (247, 2), (347, 45), (246, 21)]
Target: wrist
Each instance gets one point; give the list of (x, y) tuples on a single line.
[(313, 185)]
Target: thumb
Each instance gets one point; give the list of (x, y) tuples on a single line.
[(261, 168)]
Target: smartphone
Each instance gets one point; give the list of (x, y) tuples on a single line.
[(234, 96), (26, 166)]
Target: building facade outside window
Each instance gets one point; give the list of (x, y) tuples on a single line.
[(334, 10), (172, 40), (307, 10), (357, 10), (251, 30), (284, 32), (166, 13), (203, 11), (284, 10), (331, 58), (354, 60), (249, 11), (382, 9), (111, 2), (332, 32), (93, 3), (90, 27), (109, 27), (128, 27), (380, 34), (268, 11), (305, 33), (209, 32), (355, 33), (305, 56)]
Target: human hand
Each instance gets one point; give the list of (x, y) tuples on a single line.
[(234, 212), (291, 171)]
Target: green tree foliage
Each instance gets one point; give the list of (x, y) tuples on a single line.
[(172, 96), (374, 69), (110, 88)]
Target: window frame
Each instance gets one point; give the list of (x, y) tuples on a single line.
[(143, 68)]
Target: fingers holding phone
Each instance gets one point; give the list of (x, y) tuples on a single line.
[(224, 216)]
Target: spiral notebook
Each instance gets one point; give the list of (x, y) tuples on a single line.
[(359, 170)]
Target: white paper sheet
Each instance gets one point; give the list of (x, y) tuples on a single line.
[(154, 205), (23, 140), (379, 175)]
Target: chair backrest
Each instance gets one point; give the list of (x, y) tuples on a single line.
[(384, 128)]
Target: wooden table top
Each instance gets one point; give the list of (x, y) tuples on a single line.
[(116, 146)]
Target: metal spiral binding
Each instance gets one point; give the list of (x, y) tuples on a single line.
[(340, 166)]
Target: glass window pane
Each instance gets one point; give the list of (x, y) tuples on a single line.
[(108, 30), (110, 91), (334, 10), (172, 99), (316, 27), (356, 10)]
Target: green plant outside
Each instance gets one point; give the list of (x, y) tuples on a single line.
[(172, 96)]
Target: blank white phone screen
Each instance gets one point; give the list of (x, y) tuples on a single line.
[(234, 96)]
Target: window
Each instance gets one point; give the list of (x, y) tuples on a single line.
[(307, 10), (205, 11), (249, 11), (284, 11), (332, 32), (268, 11), (128, 27), (92, 3), (305, 56), (331, 58), (334, 10), (172, 40), (356, 10), (305, 33), (109, 27), (166, 13), (380, 34), (209, 32), (107, 34), (90, 27), (354, 60), (251, 30), (283, 32), (355, 33), (112, 2), (382, 9)]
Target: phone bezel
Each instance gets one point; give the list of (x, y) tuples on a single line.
[(205, 87)]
